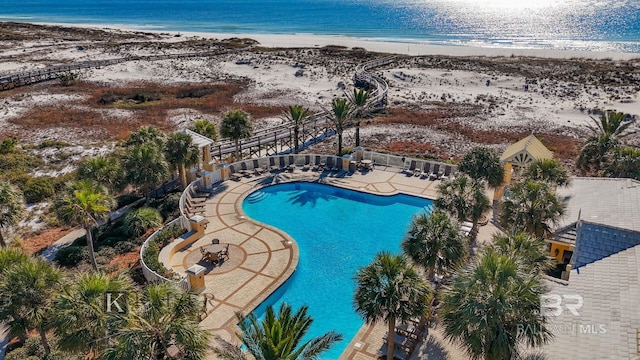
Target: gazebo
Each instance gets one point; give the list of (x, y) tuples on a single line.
[(518, 156), (205, 164)]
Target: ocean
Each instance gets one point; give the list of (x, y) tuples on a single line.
[(593, 25)]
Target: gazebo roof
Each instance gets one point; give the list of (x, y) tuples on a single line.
[(525, 151), (199, 140)]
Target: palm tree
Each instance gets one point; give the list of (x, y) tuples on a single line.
[(532, 206), (236, 125), (27, 290), (277, 337), (166, 323), (138, 221), (180, 152), (607, 132), (205, 128), (464, 198), (296, 116), (547, 170), (359, 101), (435, 243), (341, 117), (105, 170), (493, 305), (11, 207), (482, 163), (389, 289), (145, 135), (146, 167), (81, 321), (528, 251), (626, 163), (84, 204)]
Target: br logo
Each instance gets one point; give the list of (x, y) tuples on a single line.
[(555, 305)]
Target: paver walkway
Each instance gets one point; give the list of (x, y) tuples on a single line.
[(262, 257)]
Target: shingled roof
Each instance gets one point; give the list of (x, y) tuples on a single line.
[(525, 151)]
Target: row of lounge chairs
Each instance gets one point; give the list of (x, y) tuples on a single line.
[(195, 200), (435, 173), (285, 163)]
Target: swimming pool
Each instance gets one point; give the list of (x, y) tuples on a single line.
[(337, 231)]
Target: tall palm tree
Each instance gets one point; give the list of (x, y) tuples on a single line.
[(607, 132), (341, 117), (626, 163), (390, 289), (27, 290), (85, 204), (236, 125), (296, 116), (145, 135), (547, 170), (11, 207), (359, 100), (482, 163), (277, 337), (105, 170), (435, 243), (528, 251), (532, 207), (492, 306), (464, 198), (180, 152), (165, 323), (81, 321), (146, 167), (205, 128)]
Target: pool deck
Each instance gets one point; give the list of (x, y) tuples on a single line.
[(262, 257)]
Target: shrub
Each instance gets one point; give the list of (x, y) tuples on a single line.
[(38, 189), (137, 222), (71, 255), (68, 79), (107, 252), (8, 145), (169, 206), (124, 247), (167, 234)]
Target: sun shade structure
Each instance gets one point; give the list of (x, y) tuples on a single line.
[(525, 151)]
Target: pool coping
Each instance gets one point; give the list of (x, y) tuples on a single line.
[(357, 182)]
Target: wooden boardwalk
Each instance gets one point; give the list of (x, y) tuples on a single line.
[(263, 142)]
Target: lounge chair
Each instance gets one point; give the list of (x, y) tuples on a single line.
[(272, 164), (425, 170), (292, 164), (412, 168), (435, 173), (337, 166), (329, 164), (257, 170), (244, 170), (282, 162), (316, 164), (447, 172), (418, 170), (307, 163), (232, 173)]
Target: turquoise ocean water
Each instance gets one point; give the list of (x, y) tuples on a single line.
[(596, 25)]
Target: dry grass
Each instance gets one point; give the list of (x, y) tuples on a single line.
[(564, 147)]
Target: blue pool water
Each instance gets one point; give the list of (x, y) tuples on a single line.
[(337, 231)]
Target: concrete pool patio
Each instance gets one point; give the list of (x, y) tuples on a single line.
[(262, 257)]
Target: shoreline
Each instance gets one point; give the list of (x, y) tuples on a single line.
[(392, 47)]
